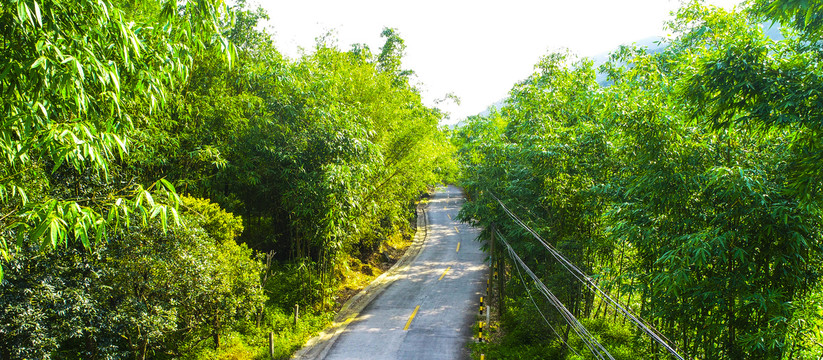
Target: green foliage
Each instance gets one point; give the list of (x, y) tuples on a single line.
[(516, 351), (288, 337), (321, 156), (805, 335), (145, 293), (187, 309), (219, 225), (293, 284), (111, 107), (77, 77), (688, 188), (803, 15)]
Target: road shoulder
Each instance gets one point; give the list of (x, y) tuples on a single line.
[(318, 346)]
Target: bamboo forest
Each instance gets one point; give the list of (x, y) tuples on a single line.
[(172, 186)]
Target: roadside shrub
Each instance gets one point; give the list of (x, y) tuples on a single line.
[(145, 293)]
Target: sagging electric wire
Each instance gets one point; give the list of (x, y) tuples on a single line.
[(520, 275), (591, 342), (653, 333), (594, 346), (585, 279)]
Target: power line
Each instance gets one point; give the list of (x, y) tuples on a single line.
[(534, 303), (591, 342), (655, 335)]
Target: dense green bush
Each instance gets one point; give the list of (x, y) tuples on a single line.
[(147, 293)]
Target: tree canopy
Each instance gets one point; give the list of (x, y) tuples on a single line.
[(687, 187), (164, 170)]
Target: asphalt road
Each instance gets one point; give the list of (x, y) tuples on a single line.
[(427, 313)]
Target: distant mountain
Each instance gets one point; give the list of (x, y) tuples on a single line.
[(653, 44), (497, 105)]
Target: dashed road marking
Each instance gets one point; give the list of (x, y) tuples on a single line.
[(408, 323), (444, 273)]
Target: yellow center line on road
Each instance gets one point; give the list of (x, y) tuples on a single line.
[(456, 229), (458, 247), (444, 273), (411, 318), (450, 217)]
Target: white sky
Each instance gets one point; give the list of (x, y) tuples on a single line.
[(476, 49)]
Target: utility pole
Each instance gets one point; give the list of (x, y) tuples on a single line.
[(501, 283), (491, 261), (491, 280)]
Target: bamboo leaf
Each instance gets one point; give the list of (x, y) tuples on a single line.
[(81, 231), (40, 62), (21, 235), (174, 216), (54, 232), (80, 71), (167, 184), (37, 14), (100, 232), (809, 15), (24, 13), (164, 219), (121, 145), (156, 210), (43, 110), (149, 198), (38, 231)]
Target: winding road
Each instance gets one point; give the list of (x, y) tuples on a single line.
[(427, 310)]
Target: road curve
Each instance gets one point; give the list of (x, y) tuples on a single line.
[(427, 311)]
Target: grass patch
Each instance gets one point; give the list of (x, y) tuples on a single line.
[(288, 337)]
